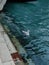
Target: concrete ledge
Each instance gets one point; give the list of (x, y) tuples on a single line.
[(5, 56), (2, 3)]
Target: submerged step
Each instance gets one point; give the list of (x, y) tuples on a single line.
[(8, 54)]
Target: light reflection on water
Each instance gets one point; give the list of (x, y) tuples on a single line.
[(35, 18)]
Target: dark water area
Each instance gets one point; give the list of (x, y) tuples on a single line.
[(20, 0), (29, 22)]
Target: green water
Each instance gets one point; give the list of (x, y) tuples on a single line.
[(34, 17)]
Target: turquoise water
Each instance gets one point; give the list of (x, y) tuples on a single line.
[(34, 17)]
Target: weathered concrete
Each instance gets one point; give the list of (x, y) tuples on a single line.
[(5, 57), (2, 3)]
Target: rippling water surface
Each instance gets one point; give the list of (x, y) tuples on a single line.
[(32, 18)]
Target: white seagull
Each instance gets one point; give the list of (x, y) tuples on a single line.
[(26, 32)]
